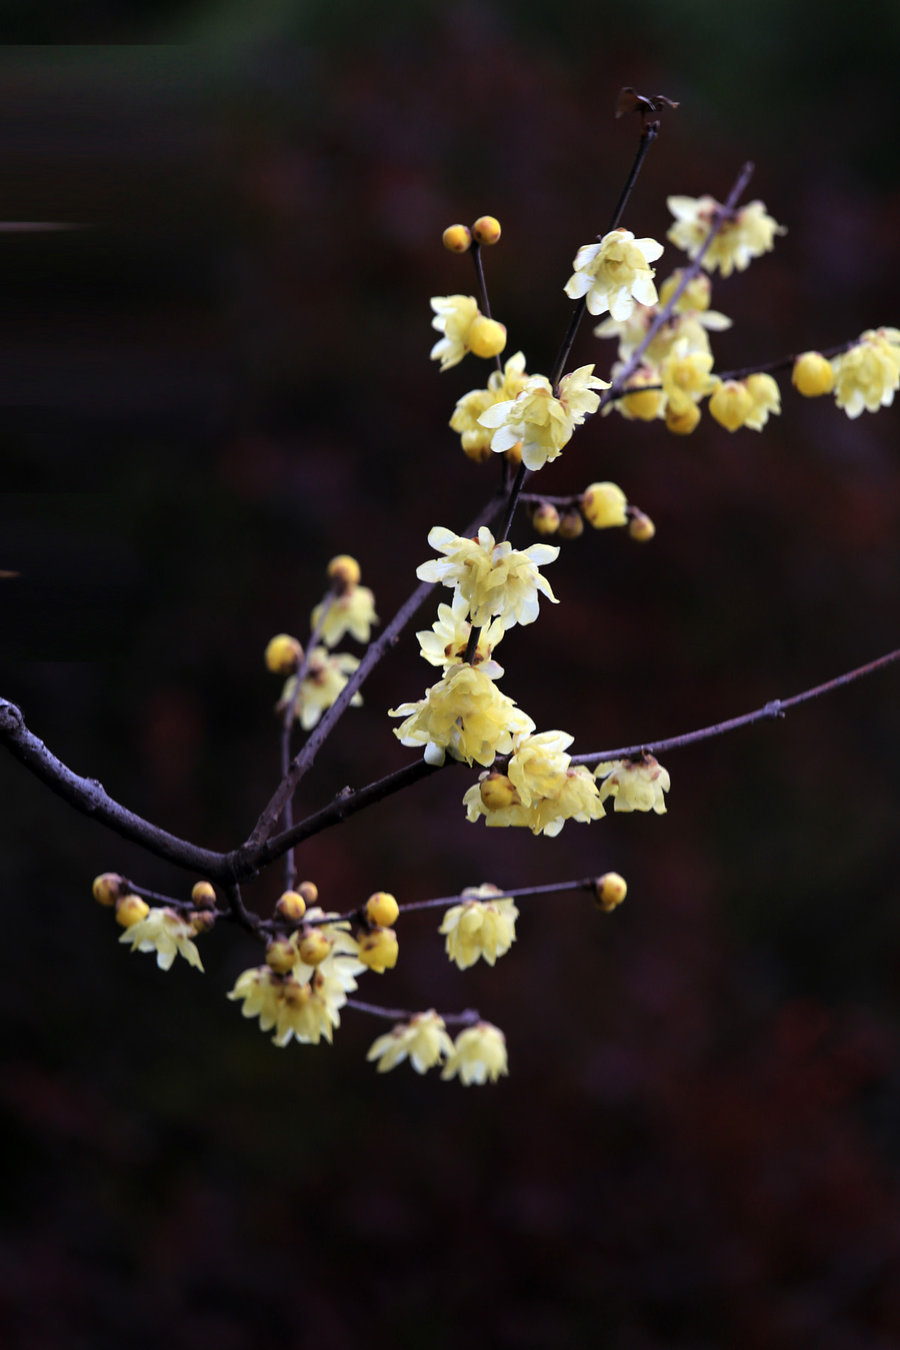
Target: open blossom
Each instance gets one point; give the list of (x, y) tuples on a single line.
[(305, 1010), (868, 375), (747, 233), (483, 925), (423, 1040), (465, 714), (501, 387), (542, 422), (353, 613), (541, 789), (445, 642), (166, 932), (635, 785), (614, 273), (325, 677), (479, 1054), (453, 316), (538, 767), (495, 579), (686, 376)]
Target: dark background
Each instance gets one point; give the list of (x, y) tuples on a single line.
[(221, 380)]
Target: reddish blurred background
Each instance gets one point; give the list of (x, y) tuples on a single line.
[(215, 383)]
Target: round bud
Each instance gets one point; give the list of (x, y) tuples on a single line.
[(644, 404), (130, 909), (683, 422), (203, 895), (609, 891), (281, 956), (813, 375), (344, 571), (378, 949), (498, 791), (309, 891), (486, 229), (731, 403), (457, 238), (314, 947), (486, 337), (603, 505), (291, 906), (571, 524), (108, 887), (283, 654), (201, 920), (545, 518), (382, 909), (641, 527)]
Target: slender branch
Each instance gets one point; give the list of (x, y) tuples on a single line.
[(513, 893), (467, 1018), (287, 726)]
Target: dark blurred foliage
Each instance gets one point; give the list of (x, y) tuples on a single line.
[(218, 380)]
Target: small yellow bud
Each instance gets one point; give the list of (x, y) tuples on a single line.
[(644, 404), (283, 654), (309, 891), (486, 229), (344, 572), (457, 238), (486, 337), (498, 791), (382, 909), (571, 524), (683, 420), (641, 527), (603, 505), (314, 947), (108, 887), (609, 891), (813, 375), (281, 956), (379, 949), (731, 403), (290, 906), (203, 895), (201, 920), (545, 518), (130, 909)]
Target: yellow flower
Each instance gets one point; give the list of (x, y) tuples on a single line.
[(813, 374), (325, 677), (636, 785), (642, 402), (543, 423), (766, 399), (501, 387), (868, 375), (423, 1040), (168, 934), (578, 799), (615, 272), (353, 613), (465, 714), (495, 579), (259, 990), (543, 790), (538, 767), (731, 404), (747, 233), (302, 1013), (686, 377), (453, 316), (603, 505), (479, 1054), (445, 643), (483, 925)]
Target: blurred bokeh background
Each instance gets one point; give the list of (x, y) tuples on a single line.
[(214, 383)]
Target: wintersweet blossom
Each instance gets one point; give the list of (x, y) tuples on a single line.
[(479, 1054), (578, 799), (259, 991), (325, 677), (305, 1010), (353, 613), (542, 422), (540, 790), (453, 316), (495, 579), (464, 714), (635, 785), (483, 925), (302, 1013), (445, 642), (731, 404), (166, 932), (686, 377), (614, 273), (501, 387), (868, 375), (423, 1040), (746, 233), (766, 399), (538, 767)]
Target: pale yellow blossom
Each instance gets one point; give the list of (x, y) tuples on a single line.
[(501, 387), (423, 1040), (746, 233), (483, 925), (542, 422), (868, 375), (166, 932), (614, 273), (325, 677), (495, 579), (635, 785), (479, 1054), (453, 317), (464, 714), (353, 613), (445, 642)]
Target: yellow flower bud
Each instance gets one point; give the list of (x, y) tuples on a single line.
[(281, 956), (382, 909), (344, 572), (201, 920), (641, 527), (203, 895), (731, 403), (290, 906), (609, 891), (309, 891), (379, 949), (283, 654), (682, 420), (486, 229), (486, 337), (813, 375), (643, 403), (571, 524), (314, 947), (108, 887), (545, 518), (498, 791), (130, 909), (603, 505), (457, 238)]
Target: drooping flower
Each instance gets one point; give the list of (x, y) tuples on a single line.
[(538, 767), (614, 273), (479, 1054), (259, 991), (483, 925), (541, 789), (746, 233), (302, 1013), (423, 1040), (325, 677), (542, 422), (353, 613), (166, 932), (731, 404), (464, 714), (453, 316), (868, 375), (766, 399), (496, 580), (445, 642), (501, 387), (603, 505), (686, 377), (635, 785)]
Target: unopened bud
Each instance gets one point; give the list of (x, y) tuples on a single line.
[(313, 947), (498, 791), (281, 956), (309, 891), (641, 527), (283, 654), (486, 337), (571, 524), (545, 518), (290, 906), (378, 949), (457, 238), (203, 895), (609, 891), (130, 909), (344, 572), (381, 909), (486, 229), (813, 375), (108, 887), (604, 505), (682, 422)]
